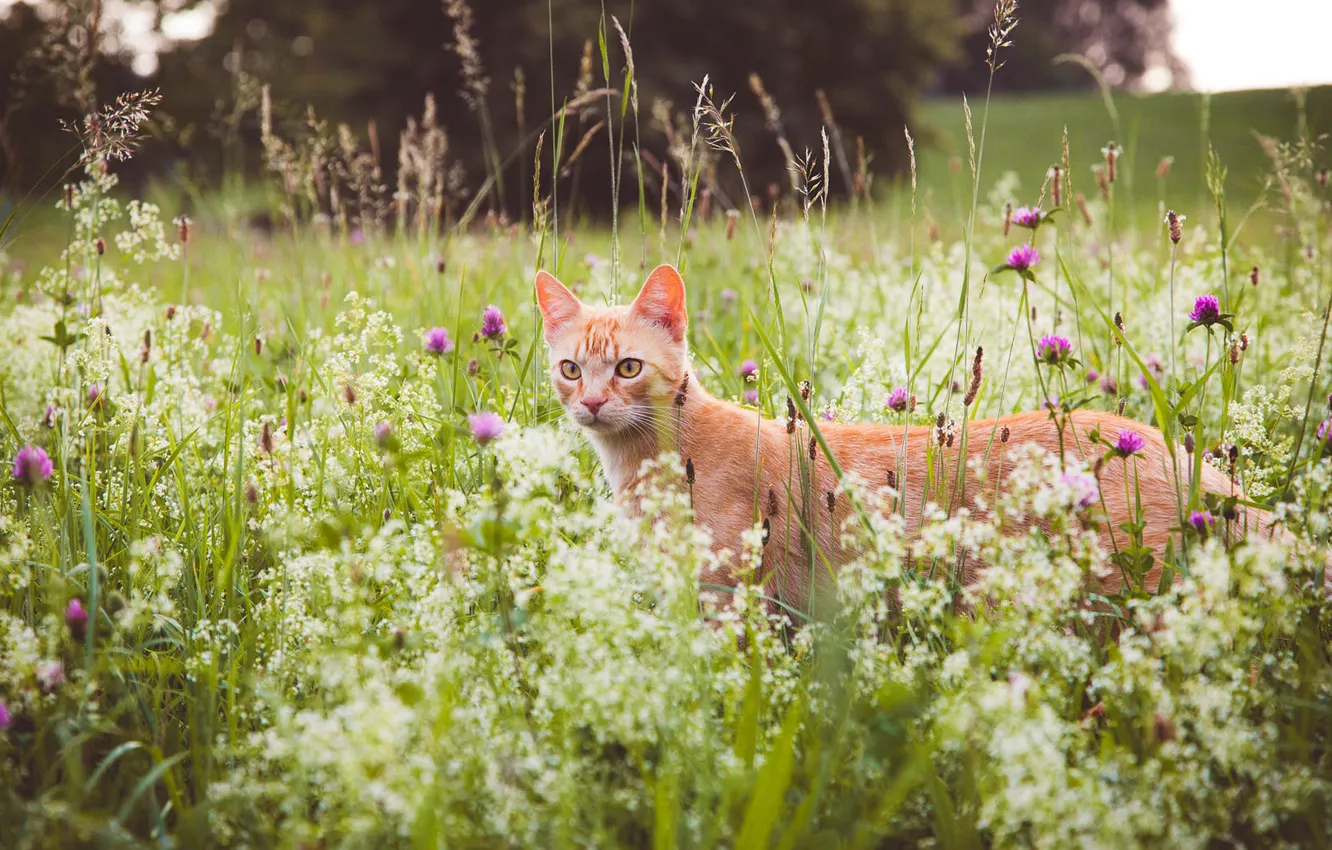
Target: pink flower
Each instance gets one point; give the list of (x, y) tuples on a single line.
[(898, 399), (1128, 443), (1082, 488), (492, 323), (1053, 349), (1206, 310), (76, 617), (486, 426), (1202, 521), (1023, 257), (437, 341), (1029, 217), (751, 397), (748, 369), (5, 718), (1092, 376), (32, 466)]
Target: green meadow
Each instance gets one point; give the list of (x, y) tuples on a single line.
[(268, 579)]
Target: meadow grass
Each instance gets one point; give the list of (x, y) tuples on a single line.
[(280, 584), (1028, 129)]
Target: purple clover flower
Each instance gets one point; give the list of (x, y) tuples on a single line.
[(751, 397), (1023, 257), (1206, 309), (1324, 433), (486, 426), (898, 400), (1108, 386), (32, 466), (1029, 217), (492, 323), (1202, 521), (437, 341), (1082, 487), (76, 617), (1129, 443), (748, 369), (1053, 350), (5, 717), (1092, 376)]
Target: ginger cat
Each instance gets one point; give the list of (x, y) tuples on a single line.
[(623, 375)]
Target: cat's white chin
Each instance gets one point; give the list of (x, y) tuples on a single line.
[(600, 427)]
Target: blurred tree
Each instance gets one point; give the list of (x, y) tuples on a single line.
[(354, 62), (52, 66), (1123, 39)]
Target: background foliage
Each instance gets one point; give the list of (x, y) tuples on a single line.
[(375, 63)]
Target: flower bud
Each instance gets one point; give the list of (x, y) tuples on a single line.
[(76, 617), (1175, 222)]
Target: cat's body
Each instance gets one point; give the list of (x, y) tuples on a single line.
[(747, 469)]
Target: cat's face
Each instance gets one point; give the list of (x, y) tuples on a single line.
[(617, 370)]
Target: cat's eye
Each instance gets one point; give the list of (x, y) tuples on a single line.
[(629, 367), (570, 370)]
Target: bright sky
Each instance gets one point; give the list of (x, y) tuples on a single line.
[(1226, 44), (1242, 44)]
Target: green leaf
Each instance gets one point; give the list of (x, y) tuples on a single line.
[(106, 763), (605, 57), (666, 797), (765, 804), (61, 337), (148, 781), (746, 739)]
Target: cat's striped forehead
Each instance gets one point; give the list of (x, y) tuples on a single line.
[(600, 337)]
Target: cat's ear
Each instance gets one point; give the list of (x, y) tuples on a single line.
[(662, 301), (558, 305)]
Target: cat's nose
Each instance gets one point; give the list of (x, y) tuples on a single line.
[(593, 405)]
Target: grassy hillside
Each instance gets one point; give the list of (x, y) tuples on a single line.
[(1025, 132)]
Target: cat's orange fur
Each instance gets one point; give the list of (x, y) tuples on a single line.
[(746, 467)]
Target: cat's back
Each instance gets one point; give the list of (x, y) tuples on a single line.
[(1085, 434)]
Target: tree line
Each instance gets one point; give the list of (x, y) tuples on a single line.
[(498, 73)]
